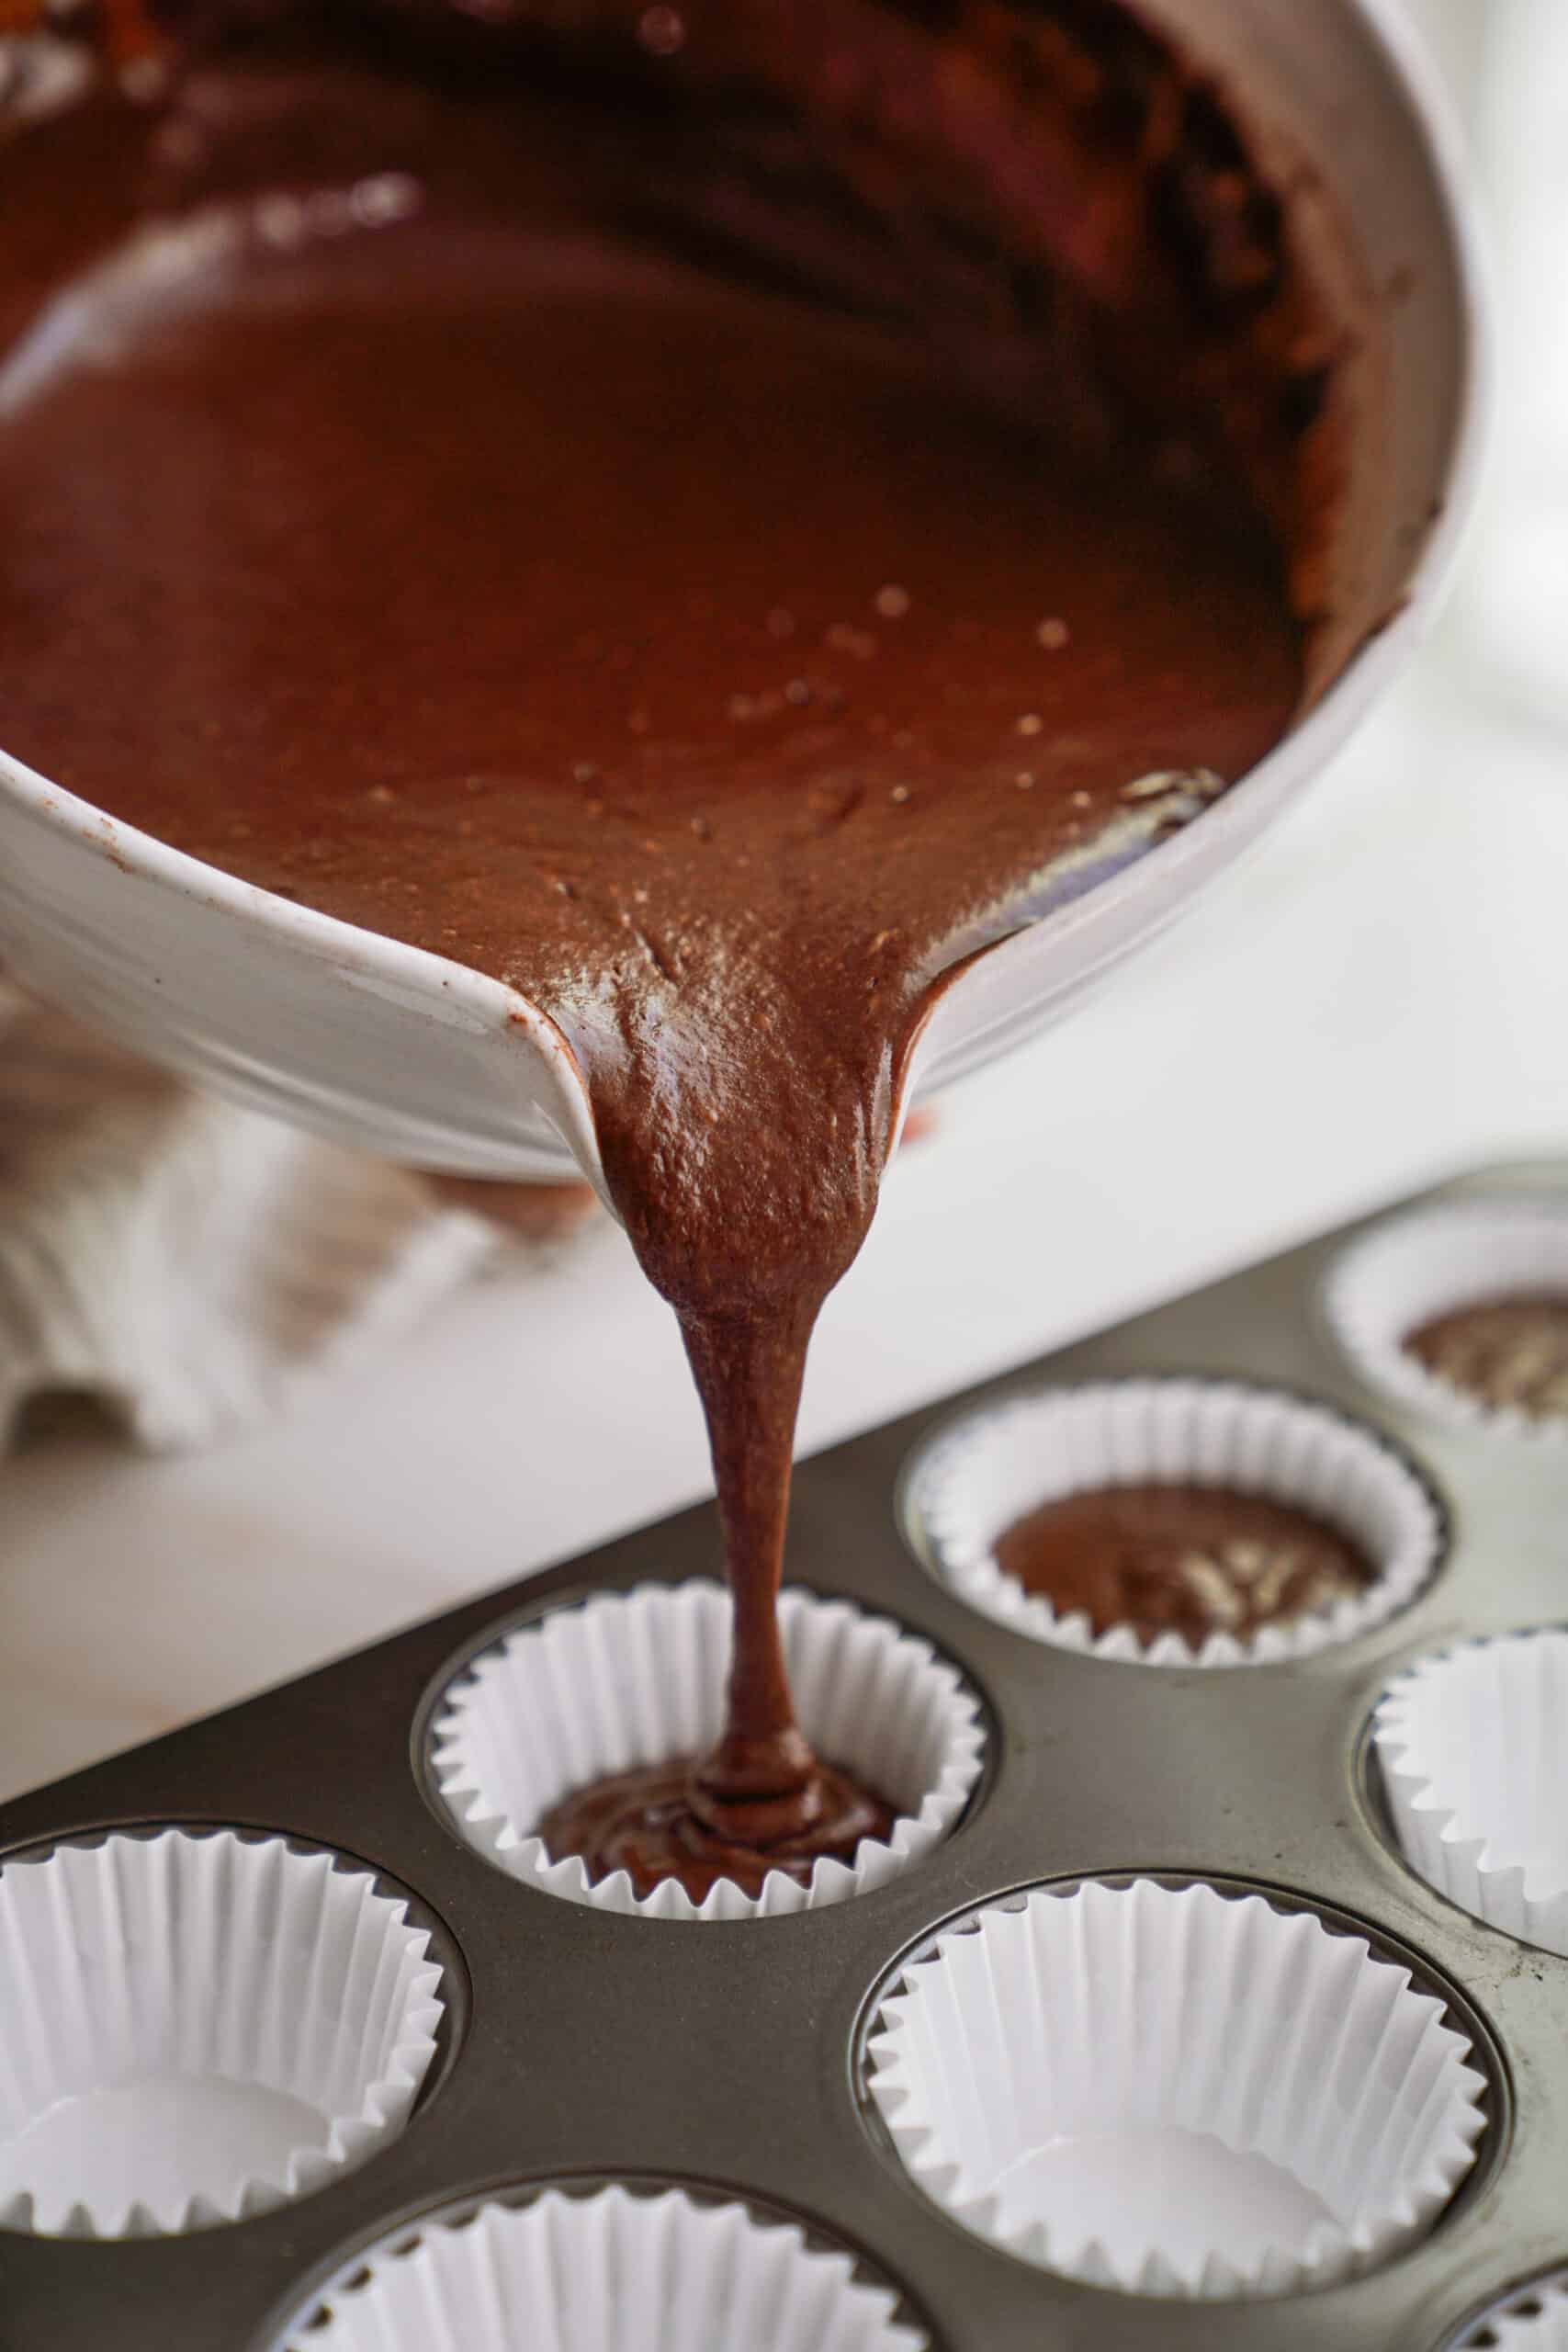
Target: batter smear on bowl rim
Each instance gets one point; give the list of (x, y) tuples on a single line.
[(712, 528)]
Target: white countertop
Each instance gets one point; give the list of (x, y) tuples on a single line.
[(1376, 998)]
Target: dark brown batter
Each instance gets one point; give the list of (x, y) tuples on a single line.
[(1187, 1560), (441, 526), (1506, 1352), (642, 1823)]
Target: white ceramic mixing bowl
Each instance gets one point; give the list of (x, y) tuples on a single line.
[(402, 1053)]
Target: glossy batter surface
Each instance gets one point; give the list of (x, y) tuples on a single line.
[(1509, 1351), (642, 1823), (1187, 1560)]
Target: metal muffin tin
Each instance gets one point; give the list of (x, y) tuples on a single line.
[(580, 2045)]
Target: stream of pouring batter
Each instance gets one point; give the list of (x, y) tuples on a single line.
[(706, 664)]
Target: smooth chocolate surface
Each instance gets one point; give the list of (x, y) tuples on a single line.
[(643, 1822), (480, 506), (1177, 1559), (1506, 1352)]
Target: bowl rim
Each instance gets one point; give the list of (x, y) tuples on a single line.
[(495, 1007)]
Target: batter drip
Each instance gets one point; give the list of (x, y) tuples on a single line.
[(481, 506)]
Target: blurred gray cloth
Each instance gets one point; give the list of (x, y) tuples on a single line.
[(188, 1265)]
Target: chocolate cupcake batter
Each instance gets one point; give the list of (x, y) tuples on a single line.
[(1504, 1352), (1187, 1560), (708, 540), (642, 1821)]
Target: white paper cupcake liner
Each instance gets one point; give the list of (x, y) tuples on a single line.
[(1175, 2091), (195, 2027), (1529, 2318), (630, 1679), (612, 2272), (1472, 1747), (978, 1476), (1402, 1273)]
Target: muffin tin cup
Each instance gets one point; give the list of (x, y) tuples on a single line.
[(1429, 1261), (636, 1678), (1175, 2092), (976, 1478), (1472, 1752), (197, 2027), (610, 2272), (1530, 2318)]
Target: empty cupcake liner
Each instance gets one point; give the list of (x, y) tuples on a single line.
[(979, 1475), (1175, 2091), (1473, 1750), (1410, 1268), (609, 2272), (630, 1679), (1529, 2318), (195, 2027)]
